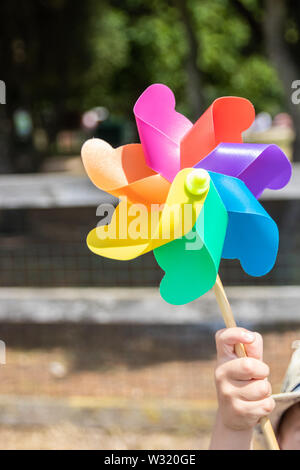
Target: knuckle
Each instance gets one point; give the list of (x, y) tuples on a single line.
[(259, 336), (264, 388), (266, 370), (247, 365), (252, 417), (249, 413), (226, 391), (269, 405), (252, 412), (219, 375), (218, 334), (237, 408)]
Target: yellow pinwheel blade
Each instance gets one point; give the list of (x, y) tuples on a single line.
[(136, 229)]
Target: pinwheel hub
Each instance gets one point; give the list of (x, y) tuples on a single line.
[(197, 182)]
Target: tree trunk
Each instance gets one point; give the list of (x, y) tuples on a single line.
[(194, 83), (274, 20)]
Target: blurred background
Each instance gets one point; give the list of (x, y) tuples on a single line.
[(95, 359)]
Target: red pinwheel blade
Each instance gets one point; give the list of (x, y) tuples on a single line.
[(223, 121)]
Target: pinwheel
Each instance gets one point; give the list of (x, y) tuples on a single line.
[(189, 193)]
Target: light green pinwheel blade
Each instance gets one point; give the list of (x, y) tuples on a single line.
[(191, 263)]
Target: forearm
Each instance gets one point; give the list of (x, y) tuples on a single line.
[(224, 438)]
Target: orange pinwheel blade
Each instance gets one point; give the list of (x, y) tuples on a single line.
[(123, 172)]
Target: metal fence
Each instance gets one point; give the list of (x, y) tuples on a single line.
[(46, 248)]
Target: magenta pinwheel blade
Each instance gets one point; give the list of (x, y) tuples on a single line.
[(161, 129)]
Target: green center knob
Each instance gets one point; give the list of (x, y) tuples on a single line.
[(197, 182)]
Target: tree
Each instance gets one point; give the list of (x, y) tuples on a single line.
[(60, 57), (281, 29), (275, 24)]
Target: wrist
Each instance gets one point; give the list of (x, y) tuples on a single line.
[(226, 438)]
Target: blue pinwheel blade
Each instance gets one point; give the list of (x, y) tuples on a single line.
[(252, 236)]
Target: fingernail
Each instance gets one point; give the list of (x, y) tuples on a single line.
[(249, 337)]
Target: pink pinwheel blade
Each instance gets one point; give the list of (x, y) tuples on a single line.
[(161, 129)]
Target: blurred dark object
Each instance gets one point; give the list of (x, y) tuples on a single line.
[(24, 157), (110, 130), (283, 120), (43, 49)]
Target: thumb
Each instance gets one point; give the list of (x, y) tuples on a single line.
[(255, 349), (227, 338)]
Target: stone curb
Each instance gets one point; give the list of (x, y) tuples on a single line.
[(251, 305)]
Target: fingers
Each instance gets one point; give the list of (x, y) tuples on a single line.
[(254, 390), (243, 369), (244, 393), (227, 338), (254, 410), (241, 415)]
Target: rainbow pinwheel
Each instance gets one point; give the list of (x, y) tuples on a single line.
[(189, 193)]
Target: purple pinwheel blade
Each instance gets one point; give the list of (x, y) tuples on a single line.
[(260, 166)]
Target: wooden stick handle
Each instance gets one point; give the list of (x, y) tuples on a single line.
[(229, 320)]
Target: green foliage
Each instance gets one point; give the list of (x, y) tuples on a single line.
[(133, 46), (83, 54), (108, 42), (256, 80)]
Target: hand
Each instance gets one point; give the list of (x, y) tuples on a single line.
[(244, 392)]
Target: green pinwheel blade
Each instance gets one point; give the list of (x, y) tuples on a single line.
[(191, 263)]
